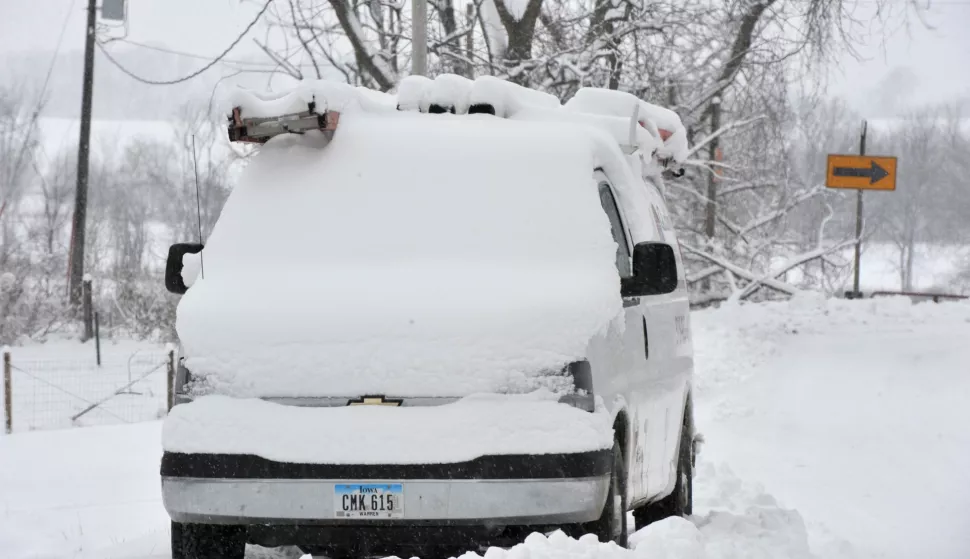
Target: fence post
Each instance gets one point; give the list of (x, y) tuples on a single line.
[(88, 308), (97, 339), (7, 392), (171, 377)]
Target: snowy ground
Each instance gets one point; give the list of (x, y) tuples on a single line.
[(834, 429)]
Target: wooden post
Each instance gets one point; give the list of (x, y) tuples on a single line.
[(97, 338), (710, 214), (88, 307), (76, 259), (7, 393), (171, 377)]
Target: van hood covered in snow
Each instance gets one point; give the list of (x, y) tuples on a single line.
[(414, 255), (473, 426)]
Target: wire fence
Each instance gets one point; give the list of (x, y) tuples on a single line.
[(54, 394)]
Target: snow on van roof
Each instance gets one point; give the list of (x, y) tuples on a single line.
[(599, 101), (328, 95), (414, 255), (508, 98), (418, 93), (660, 134), (412, 93)]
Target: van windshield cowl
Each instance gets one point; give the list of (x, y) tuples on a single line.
[(572, 384)]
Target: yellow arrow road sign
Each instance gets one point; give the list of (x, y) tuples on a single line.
[(861, 172)]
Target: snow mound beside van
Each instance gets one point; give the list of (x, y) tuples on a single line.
[(415, 255)]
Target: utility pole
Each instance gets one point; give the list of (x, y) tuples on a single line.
[(858, 219), (470, 41), (711, 210), (709, 221), (419, 37), (83, 150)]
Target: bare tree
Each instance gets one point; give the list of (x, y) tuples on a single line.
[(56, 188), (930, 185), (18, 139)]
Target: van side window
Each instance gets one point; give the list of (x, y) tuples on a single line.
[(623, 264)]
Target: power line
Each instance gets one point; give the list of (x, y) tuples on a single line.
[(212, 63), (57, 49), (167, 50)]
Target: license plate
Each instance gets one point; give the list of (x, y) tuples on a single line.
[(368, 500)]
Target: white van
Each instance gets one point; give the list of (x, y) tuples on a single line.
[(433, 322)]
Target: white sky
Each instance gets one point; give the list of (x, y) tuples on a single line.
[(198, 26), (926, 65), (915, 64)]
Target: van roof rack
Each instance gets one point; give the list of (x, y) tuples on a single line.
[(258, 130)]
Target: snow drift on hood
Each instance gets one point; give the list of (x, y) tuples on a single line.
[(414, 255)]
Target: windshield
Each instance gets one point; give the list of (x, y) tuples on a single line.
[(402, 190)]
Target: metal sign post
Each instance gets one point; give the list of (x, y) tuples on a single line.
[(860, 172), (856, 294)]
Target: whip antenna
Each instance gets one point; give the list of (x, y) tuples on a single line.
[(198, 203)]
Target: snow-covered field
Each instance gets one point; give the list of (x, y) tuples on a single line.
[(934, 267), (834, 429)]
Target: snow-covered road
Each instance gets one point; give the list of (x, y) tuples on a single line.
[(857, 414), (834, 430)]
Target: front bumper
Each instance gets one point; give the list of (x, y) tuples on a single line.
[(488, 491)]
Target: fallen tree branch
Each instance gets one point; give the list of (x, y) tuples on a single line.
[(741, 272), (793, 263)]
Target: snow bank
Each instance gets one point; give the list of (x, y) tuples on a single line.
[(853, 412), (762, 531), (472, 427), (415, 255)]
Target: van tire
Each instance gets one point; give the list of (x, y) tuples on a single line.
[(208, 541), (612, 526), (681, 501)]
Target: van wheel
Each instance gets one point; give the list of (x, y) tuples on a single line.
[(611, 526), (681, 501), (208, 541)]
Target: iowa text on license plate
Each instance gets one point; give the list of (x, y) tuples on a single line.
[(368, 500)]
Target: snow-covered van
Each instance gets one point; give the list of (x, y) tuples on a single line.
[(432, 320)]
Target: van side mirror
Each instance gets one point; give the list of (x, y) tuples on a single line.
[(654, 271), (173, 266)]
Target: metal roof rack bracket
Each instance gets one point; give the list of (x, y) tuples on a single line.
[(258, 130)]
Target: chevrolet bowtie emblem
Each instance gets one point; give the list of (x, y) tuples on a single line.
[(374, 401)]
